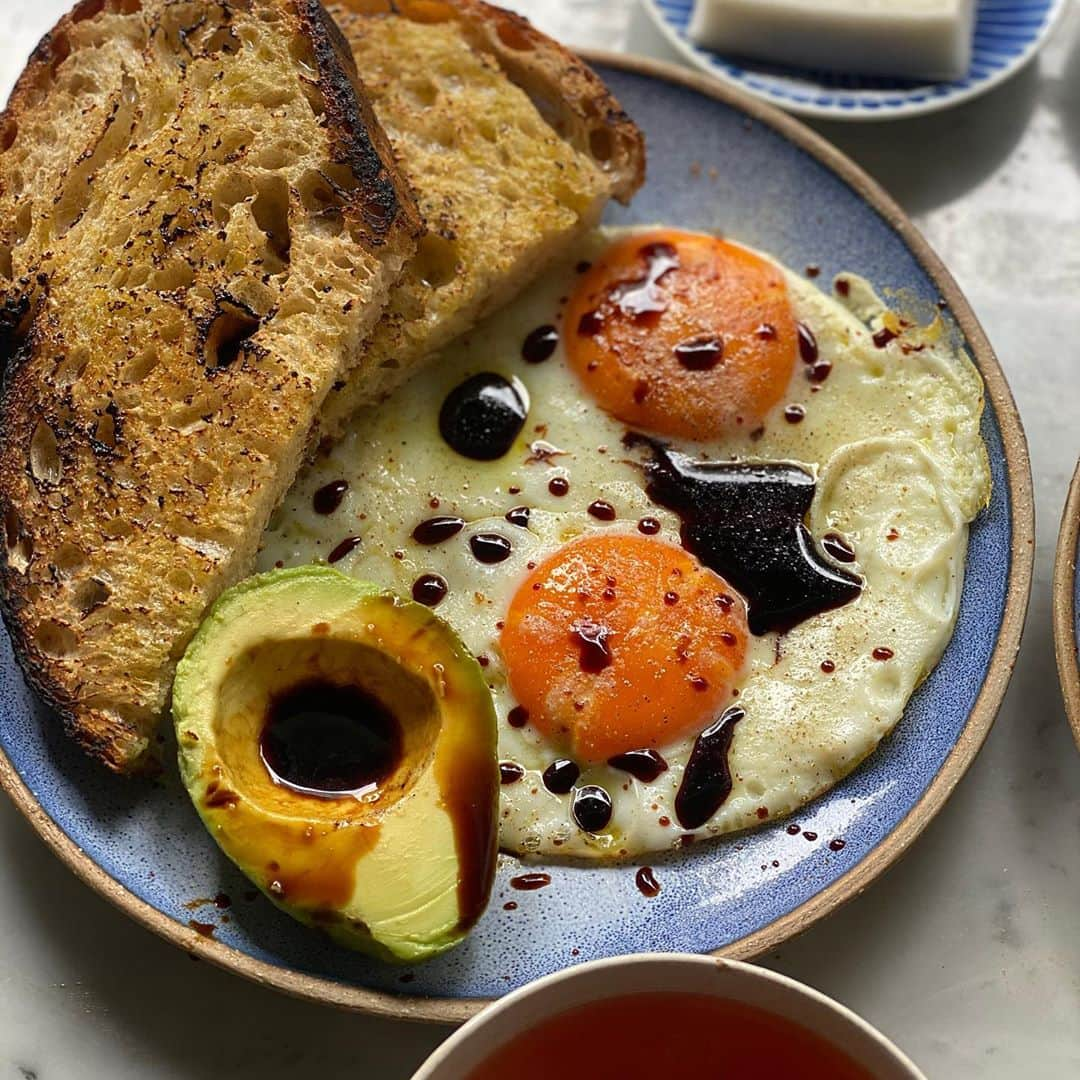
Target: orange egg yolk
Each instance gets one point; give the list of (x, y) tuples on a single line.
[(683, 334), (619, 643)]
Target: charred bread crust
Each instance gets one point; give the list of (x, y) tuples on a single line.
[(357, 139), (570, 96), (381, 207), (106, 740), (384, 202)]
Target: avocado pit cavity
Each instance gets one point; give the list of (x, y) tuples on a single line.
[(327, 741), (304, 728)]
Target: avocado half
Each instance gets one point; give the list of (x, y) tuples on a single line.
[(339, 744)]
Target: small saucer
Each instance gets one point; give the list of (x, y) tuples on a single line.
[(1008, 34)]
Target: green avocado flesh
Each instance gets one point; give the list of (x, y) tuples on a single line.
[(339, 744)]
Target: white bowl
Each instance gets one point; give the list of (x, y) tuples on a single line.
[(474, 1043)]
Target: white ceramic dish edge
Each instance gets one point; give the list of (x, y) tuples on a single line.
[(472, 1044)]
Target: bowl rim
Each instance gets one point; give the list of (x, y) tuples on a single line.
[(1065, 610), (614, 964), (448, 1010)]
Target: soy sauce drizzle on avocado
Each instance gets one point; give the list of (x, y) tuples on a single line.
[(329, 741), (468, 778)]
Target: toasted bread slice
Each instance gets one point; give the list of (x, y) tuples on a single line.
[(200, 222), (512, 146)]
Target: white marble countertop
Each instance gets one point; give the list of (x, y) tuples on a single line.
[(968, 952)]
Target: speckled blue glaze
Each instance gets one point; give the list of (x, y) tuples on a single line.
[(1008, 33), (773, 195)]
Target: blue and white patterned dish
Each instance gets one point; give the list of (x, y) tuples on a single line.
[(718, 161), (1008, 33)]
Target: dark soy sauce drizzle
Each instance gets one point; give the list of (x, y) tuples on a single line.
[(639, 297), (328, 498), (838, 548), (540, 345), (429, 590), (590, 324), (706, 783), (518, 516), (592, 808), (346, 547), (646, 882), (481, 418), (327, 740), (817, 370), (437, 530), (490, 548), (700, 353), (530, 882), (560, 776), (592, 641), (808, 346), (468, 786), (510, 772), (643, 765), (746, 523)]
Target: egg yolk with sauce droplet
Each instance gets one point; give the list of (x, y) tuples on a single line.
[(683, 334), (623, 642)]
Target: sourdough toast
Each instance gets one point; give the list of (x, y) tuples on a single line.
[(200, 222), (513, 148)]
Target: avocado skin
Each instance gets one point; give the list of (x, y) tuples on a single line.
[(384, 877)]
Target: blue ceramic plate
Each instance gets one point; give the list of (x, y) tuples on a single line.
[(1008, 33), (718, 161), (1067, 605)]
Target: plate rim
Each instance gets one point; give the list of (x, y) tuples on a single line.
[(1063, 603), (933, 104), (445, 1010)]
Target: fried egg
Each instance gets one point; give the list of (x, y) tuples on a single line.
[(643, 697)]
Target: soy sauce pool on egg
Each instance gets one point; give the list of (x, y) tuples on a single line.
[(483, 416)]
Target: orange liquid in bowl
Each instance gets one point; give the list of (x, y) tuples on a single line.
[(668, 1036)]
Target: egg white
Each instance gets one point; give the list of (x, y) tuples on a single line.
[(893, 436)]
